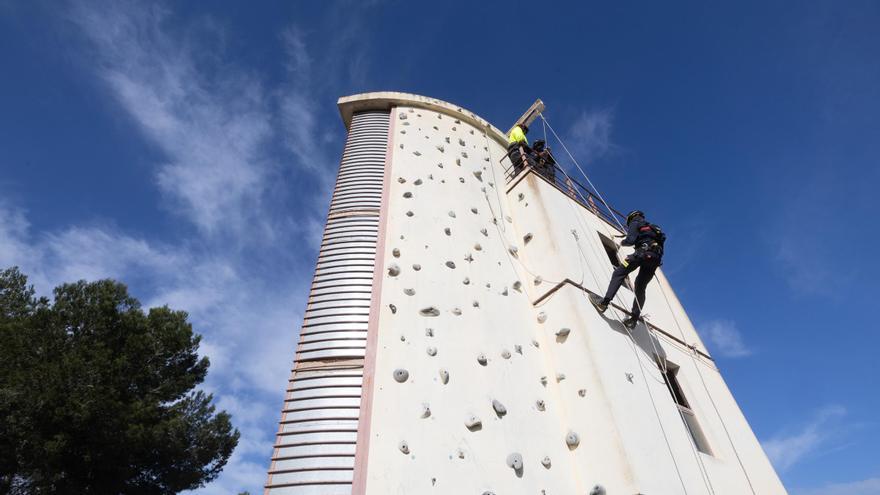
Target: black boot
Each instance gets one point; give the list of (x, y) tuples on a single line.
[(600, 303), (630, 322)]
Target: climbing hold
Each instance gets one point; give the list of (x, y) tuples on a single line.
[(403, 131), (486, 159), (417, 267), (417, 153), (444, 376), (393, 270), (479, 175), (447, 230), (460, 454), (429, 311), (488, 285), (629, 377), (517, 286), (440, 148), (409, 292), (458, 161), (429, 332), (456, 311), (515, 461), (542, 317), (409, 213), (572, 440), (403, 338), (546, 462), (403, 447), (504, 292), (538, 280), (457, 121), (446, 139), (476, 304), (473, 423), (505, 354), (469, 258), (517, 348), (560, 377), (461, 179), (393, 308), (562, 333), (521, 196), (478, 247), (582, 392), (464, 154), (535, 343), (407, 194), (461, 141), (440, 165), (540, 405), (513, 250), (426, 410), (431, 176), (418, 182), (451, 214), (484, 232), (544, 381), (450, 264), (482, 359), (401, 180), (499, 408), (598, 490), (402, 116), (432, 351), (395, 252), (474, 211), (466, 281), (507, 217), (400, 375), (527, 238)]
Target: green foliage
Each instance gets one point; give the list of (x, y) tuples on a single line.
[(97, 396)]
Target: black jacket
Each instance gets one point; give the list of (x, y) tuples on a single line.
[(636, 235)]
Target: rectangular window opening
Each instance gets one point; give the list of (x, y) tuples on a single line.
[(613, 256), (687, 414)]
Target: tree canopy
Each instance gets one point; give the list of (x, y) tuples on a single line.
[(98, 396)]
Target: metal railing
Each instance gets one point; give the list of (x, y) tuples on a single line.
[(556, 176)]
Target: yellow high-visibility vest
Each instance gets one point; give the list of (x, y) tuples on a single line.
[(517, 136)]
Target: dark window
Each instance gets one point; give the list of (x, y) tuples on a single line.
[(613, 256), (690, 419)]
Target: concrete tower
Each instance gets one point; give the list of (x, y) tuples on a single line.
[(449, 347)]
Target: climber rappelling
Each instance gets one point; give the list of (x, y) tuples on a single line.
[(648, 241)]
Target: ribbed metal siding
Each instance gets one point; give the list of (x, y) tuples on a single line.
[(315, 447)]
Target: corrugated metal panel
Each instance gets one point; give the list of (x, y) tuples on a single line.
[(315, 446)]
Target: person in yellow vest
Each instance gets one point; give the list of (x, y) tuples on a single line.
[(518, 148)]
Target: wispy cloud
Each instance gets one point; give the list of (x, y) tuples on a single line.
[(870, 486), (789, 448), (724, 338), (589, 137)]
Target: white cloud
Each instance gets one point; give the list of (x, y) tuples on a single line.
[(870, 486), (724, 338), (786, 450), (589, 138)]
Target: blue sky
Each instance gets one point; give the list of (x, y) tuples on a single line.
[(190, 153)]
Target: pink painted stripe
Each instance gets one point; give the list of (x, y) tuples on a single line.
[(362, 450)]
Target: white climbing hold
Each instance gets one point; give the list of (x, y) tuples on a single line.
[(400, 375), (472, 422), (546, 462), (505, 354), (515, 461), (560, 377), (395, 252), (429, 311), (426, 410), (540, 405), (482, 359), (572, 439), (444, 376), (393, 270), (535, 343), (432, 351), (409, 292), (417, 267), (402, 116), (542, 317), (456, 311), (450, 264), (527, 238), (563, 332), (499, 407), (429, 332), (403, 447)]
